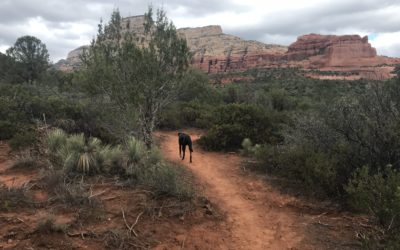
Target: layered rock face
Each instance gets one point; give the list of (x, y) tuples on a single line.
[(331, 50), (73, 60), (215, 52), (341, 54)]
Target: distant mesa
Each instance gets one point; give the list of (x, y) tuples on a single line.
[(216, 52)]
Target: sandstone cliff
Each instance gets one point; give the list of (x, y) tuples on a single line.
[(348, 53), (215, 52), (73, 60)]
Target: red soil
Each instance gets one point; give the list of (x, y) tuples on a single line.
[(258, 216)]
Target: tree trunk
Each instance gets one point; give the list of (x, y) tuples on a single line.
[(147, 122)]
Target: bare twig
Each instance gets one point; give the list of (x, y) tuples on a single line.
[(318, 216), (82, 234), (130, 228), (93, 195), (126, 223), (183, 243), (391, 223), (137, 219), (21, 220), (110, 198), (323, 224)]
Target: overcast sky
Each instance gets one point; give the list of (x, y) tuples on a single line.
[(66, 24)]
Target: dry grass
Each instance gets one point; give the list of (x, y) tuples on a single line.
[(13, 197), (48, 225)]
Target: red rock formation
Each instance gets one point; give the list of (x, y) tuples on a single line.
[(323, 51), (216, 52)]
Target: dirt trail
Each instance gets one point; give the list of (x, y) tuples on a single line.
[(257, 215)]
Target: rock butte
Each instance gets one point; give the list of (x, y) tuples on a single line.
[(216, 52)]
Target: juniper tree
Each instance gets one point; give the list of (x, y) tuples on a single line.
[(135, 70), (31, 55)]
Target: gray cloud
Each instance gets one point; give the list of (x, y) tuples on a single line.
[(64, 25), (333, 17)]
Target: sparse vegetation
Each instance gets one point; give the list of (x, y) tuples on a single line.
[(75, 154), (48, 225), (12, 198), (336, 140)]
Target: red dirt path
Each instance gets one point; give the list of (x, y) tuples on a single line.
[(258, 216)]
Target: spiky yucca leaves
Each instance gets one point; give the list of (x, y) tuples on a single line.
[(135, 150), (55, 140), (111, 159), (75, 153), (80, 156)]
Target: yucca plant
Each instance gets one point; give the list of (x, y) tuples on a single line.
[(135, 150), (78, 155), (56, 139), (110, 159)]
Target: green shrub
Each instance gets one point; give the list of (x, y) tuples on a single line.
[(222, 137), (135, 151), (48, 225), (148, 168), (379, 195), (13, 197), (249, 149), (171, 118), (25, 160), (110, 159), (315, 171), (75, 153), (234, 122), (7, 130), (186, 114), (56, 139), (163, 178), (23, 139)]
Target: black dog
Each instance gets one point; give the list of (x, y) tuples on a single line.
[(184, 140)]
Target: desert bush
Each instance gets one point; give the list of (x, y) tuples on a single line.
[(148, 168), (75, 153), (56, 139), (48, 225), (280, 100), (13, 197), (111, 159), (25, 160), (7, 130), (51, 178), (23, 139), (378, 195), (67, 190), (248, 149), (72, 153), (171, 117), (164, 178), (135, 150), (79, 155), (75, 194), (234, 122), (186, 114), (314, 171)]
